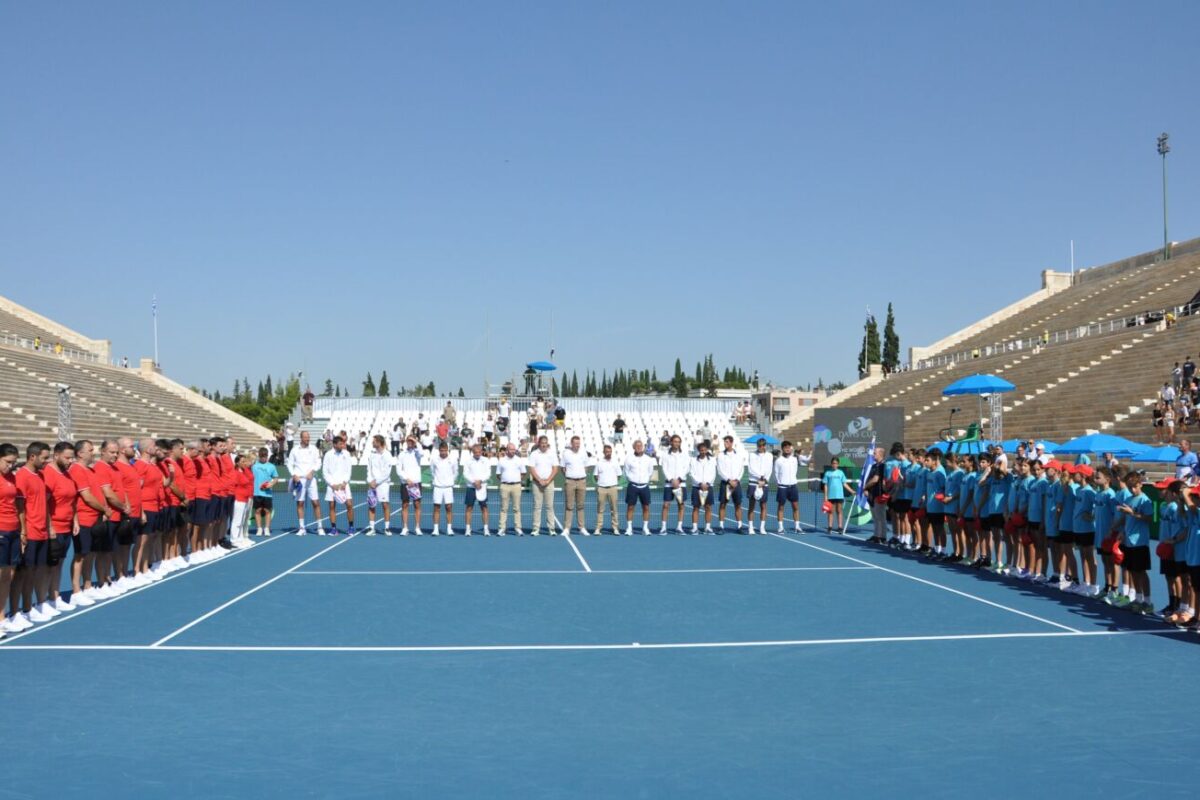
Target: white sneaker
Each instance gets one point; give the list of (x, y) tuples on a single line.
[(629, 530), (48, 609), (154, 575), (299, 531), (21, 621), (449, 531), (709, 529), (82, 599), (321, 532), (63, 605), (9, 627), (679, 528), (38, 616), (663, 530), (695, 530), (467, 532), (501, 532), (532, 533), (387, 531), (645, 529), (436, 531), (487, 531), (267, 532), (762, 528), (404, 531)]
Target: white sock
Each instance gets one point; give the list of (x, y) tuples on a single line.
[(302, 523)]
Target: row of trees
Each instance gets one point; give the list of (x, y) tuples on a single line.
[(383, 389), (269, 404), (875, 351), (628, 382)]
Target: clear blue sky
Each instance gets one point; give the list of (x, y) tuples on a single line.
[(343, 187)]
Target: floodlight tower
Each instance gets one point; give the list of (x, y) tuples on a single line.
[(1163, 148)]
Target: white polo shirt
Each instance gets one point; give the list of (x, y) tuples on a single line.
[(703, 470), (542, 464), (787, 468), (760, 465), (505, 410), (379, 466), (445, 470), (674, 465), (336, 467), (510, 469), (304, 460), (477, 469), (730, 465), (639, 469), (575, 463), (608, 472)]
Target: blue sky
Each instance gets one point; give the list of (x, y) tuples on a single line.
[(339, 188)]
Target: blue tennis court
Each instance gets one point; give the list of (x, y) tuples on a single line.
[(705, 666)]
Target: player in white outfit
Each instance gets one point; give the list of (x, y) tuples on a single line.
[(408, 469), (379, 480), (674, 465), (477, 472), (444, 471), (335, 469), (760, 464), (303, 463)]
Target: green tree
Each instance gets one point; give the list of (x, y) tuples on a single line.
[(869, 353), (891, 343), (461, 393), (384, 388), (368, 385), (328, 392)]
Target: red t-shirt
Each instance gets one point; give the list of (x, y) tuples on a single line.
[(230, 472), (61, 491), (216, 474), (243, 485), (151, 480), (131, 486), (107, 476), (33, 489), (9, 522), (203, 478), (185, 473), (85, 478), (170, 499)]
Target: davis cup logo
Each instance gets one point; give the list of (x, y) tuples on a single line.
[(859, 428)]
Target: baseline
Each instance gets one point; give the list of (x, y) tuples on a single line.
[(567, 571)]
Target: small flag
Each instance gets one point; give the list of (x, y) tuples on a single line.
[(154, 306), (860, 497)]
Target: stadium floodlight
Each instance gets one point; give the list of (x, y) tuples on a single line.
[(1163, 148)]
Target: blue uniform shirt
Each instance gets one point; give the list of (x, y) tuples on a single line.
[(954, 485), (919, 487), (1066, 519), (935, 484), (1137, 531), (970, 481), (997, 498), (1084, 501), (1037, 500), (262, 474), (835, 482), (1104, 508)]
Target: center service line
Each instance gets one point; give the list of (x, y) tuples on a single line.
[(578, 554)]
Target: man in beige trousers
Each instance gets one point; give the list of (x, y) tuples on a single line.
[(543, 469), (608, 474), (510, 468), (575, 463)]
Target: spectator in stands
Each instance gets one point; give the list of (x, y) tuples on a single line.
[(560, 417), (289, 437), (503, 415), (1167, 393), (1177, 376), (443, 432), (467, 434), (397, 435), (1189, 371), (618, 427), (58, 348), (488, 428), (124, 362), (1157, 415), (1169, 421), (449, 414), (664, 441), (534, 419), (706, 432), (306, 404)]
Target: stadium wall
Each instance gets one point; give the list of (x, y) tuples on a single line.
[(1115, 268), (147, 370), (101, 347)]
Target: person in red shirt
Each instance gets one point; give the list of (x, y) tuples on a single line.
[(243, 490), (176, 529), (229, 468), (112, 489), (35, 535), (91, 523), (61, 494), (131, 524), (10, 534), (206, 506), (146, 546)]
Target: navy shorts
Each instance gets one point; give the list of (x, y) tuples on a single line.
[(472, 500), (669, 493), (787, 494), (58, 550), (102, 536), (735, 493), (10, 548), (83, 540), (708, 501), (750, 501), (126, 529), (227, 505), (1137, 559), (37, 553), (268, 503), (203, 512), (153, 523), (637, 494)]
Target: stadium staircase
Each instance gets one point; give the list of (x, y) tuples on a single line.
[(1075, 383), (106, 401)]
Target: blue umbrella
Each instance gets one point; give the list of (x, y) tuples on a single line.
[(541, 366), (1010, 445), (1100, 443), (761, 437), (978, 384), (1166, 454)]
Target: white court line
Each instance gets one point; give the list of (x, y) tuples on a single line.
[(567, 571), (976, 598), (586, 566), (249, 592), (489, 648), (188, 571)]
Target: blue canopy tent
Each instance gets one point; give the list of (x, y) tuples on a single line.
[(1010, 445), (761, 437), (1100, 443), (1166, 454), (541, 366)]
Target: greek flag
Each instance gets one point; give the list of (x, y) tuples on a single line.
[(860, 497)]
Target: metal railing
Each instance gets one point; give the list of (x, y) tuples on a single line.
[(57, 349), (1048, 339)]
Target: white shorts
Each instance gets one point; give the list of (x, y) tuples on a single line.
[(383, 491), (309, 491), (329, 495), (443, 495)]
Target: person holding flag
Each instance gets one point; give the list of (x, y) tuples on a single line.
[(874, 485)]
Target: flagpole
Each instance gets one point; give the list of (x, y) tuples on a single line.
[(860, 492), (154, 311)]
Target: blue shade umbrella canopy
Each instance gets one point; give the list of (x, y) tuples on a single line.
[(962, 448), (541, 366), (978, 384), (1166, 454), (761, 437), (1010, 445), (1100, 443)]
